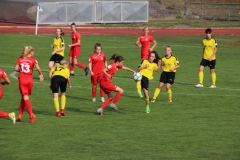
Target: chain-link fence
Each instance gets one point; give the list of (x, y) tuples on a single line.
[(212, 11)]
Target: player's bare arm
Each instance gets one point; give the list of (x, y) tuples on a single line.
[(41, 78), (214, 53), (75, 44), (154, 45), (128, 69), (6, 81)]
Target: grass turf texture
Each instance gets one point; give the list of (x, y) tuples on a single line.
[(200, 123)]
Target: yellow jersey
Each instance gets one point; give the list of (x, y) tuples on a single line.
[(169, 63), (57, 44), (148, 72), (60, 71), (209, 47)]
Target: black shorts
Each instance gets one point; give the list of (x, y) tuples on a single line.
[(145, 82), (210, 64), (59, 82), (167, 77), (56, 58)]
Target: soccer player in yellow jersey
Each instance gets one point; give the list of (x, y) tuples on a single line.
[(169, 65), (147, 68), (59, 77), (58, 49), (209, 58)]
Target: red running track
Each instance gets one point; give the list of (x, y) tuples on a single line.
[(92, 30)]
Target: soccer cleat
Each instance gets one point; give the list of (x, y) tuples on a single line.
[(147, 109), (100, 111), (57, 114), (112, 105), (71, 74), (102, 99), (94, 99), (32, 118), (199, 85), (86, 71), (12, 117), (212, 86), (170, 100), (63, 113), (19, 118), (140, 94), (153, 100)]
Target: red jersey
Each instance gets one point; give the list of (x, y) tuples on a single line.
[(26, 66), (97, 62), (3, 75), (112, 69), (75, 37), (145, 41)]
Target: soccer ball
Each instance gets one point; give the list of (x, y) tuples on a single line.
[(137, 76)]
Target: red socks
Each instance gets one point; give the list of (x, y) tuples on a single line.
[(4, 114), (101, 92), (117, 97), (81, 65), (94, 91), (21, 107), (107, 101), (71, 66), (28, 106)]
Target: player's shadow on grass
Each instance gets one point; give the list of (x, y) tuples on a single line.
[(75, 97), (184, 84), (43, 112)]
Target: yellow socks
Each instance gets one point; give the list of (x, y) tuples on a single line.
[(169, 93), (138, 85), (200, 74), (147, 101), (156, 93), (63, 102), (214, 78), (56, 104)]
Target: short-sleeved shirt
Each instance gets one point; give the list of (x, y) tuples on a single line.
[(60, 71), (75, 37), (209, 46), (112, 69), (3, 75), (26, 66), (97, 62), (169, 63), (145, 41), (148, 72), (57, 44)]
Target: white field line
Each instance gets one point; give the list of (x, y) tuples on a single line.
[(13, 75)]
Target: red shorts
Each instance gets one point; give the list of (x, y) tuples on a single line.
[(1, 92), (145, 55), (96, 78), (25, 86), (74, 52), (107, 86)]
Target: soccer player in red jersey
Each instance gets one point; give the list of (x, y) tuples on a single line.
[(97, 62), (107, 85), (3, 114), (75, 51), (25, 65), (144, 41)]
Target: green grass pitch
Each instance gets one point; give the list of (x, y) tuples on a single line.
[(200, 123)]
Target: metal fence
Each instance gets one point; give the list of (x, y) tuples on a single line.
[(75, 11), (213, 11)]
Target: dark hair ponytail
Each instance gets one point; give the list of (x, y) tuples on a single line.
[(97, 45), (157, 58), (116, 58)]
